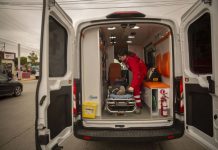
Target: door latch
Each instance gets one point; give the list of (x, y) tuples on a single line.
[(215, 117), (207, 2), (57, 147), (42, 100), (211, 88)]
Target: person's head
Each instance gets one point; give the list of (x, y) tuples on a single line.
[(123, 54)]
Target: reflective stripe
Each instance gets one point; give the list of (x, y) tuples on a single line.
[(138, 101), (137, 96)]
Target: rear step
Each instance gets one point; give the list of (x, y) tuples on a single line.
[(147, 135)]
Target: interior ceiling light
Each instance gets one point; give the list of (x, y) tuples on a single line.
[(113, 42), (136, 27), (129, 42), (111, 28), (112, 37), (131, 36)]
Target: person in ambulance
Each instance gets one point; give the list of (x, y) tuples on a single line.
[(139, 71)]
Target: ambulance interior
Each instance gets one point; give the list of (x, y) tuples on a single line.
[(100, 68)]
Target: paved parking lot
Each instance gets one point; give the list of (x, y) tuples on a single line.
[(17, 116)]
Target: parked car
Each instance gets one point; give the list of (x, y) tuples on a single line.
[(9, 86), (34, 69), (37, 74)]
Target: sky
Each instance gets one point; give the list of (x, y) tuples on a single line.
[(20, 20)]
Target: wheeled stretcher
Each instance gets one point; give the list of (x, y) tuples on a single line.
[(120, 103)]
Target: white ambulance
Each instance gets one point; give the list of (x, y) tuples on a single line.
[(72, 90)]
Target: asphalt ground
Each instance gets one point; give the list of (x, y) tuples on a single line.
[(17, 117)]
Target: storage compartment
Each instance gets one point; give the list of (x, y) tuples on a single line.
[(151, 42), (157, 98), (89, 109)]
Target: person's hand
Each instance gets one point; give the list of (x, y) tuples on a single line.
[(130, 89)]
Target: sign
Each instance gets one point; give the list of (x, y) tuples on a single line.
[(10, 56)]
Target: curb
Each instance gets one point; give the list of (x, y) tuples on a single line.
[(26, 80)]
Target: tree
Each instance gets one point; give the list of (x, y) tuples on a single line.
[(23, 61), (33, 58)]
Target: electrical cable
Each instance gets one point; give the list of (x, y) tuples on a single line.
[(14, 43)]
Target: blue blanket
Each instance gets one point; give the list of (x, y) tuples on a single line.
[(126, 96)]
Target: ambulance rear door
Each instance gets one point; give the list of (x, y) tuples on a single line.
[(54, 90), (199, 34)]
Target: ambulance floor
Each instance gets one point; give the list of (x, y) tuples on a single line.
[(144, 115)]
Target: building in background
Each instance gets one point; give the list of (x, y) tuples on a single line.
[(7, 61)]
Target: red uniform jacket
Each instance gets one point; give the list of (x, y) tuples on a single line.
[(138, 68)]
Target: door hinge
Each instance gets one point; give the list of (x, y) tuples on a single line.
[(41, 127), (207, 2), (43, 139)]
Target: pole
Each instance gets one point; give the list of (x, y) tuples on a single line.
[(18, 69)]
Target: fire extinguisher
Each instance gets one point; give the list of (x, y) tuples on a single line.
[(163, 109)]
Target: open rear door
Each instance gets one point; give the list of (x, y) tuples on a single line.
[(199, 34), (54, 89)]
